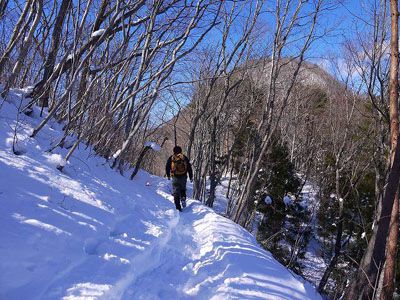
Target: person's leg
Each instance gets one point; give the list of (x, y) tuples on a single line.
[(176, 191), (183, 201), (183, 191), (177, 201)]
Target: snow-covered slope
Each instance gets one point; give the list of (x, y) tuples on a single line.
[(90, 233)]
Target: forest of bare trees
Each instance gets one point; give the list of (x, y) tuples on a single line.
[(234, 83)]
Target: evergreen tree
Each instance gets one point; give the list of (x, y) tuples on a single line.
[(284, 229)]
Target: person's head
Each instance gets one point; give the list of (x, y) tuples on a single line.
[(177, 150)]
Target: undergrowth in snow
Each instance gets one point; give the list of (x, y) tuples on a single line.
[(90, 233)]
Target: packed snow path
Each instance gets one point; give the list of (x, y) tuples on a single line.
[(90, 233)]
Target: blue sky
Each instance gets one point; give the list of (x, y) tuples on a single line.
[(342, 21), (342, 17)]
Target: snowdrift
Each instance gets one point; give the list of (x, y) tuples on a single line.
[(90, 233)]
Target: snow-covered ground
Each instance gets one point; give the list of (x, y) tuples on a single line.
[(90, 233), (313, 261)]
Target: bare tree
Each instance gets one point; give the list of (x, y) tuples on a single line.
[(18, 31), (267, 125), (36, 13), (365, 283), (55, 43), (391, 251), (3, 6), (345, 146)]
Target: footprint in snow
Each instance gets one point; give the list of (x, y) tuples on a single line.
[(91, 246)]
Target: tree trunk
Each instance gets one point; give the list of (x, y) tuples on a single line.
[(18, 31), (391, 250), (37, 7), (51, 57), (3, 6), (230, 181), (213, 167), (339, 233), (141, 157), (364, 283), (91, 43)]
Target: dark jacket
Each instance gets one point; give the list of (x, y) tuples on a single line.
[(189, 168)]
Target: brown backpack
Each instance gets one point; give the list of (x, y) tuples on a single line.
[(178, 165)]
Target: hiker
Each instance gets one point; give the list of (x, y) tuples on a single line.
[(178, 166)]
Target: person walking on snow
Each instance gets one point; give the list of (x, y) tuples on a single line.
[(179, 167)]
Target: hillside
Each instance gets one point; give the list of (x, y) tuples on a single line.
[(312, 82), (90, 233)]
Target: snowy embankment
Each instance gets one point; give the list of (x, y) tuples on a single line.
[(89, 233)]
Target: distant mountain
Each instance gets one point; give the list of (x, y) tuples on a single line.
[(311, 78)]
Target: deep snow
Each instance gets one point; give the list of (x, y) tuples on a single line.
[(90, 233)]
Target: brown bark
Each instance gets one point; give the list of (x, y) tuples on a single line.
[(391, 250)]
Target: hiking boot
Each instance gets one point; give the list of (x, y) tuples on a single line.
[(183, 200)]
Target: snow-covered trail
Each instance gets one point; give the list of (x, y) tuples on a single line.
[(90, 233), (196, 259)]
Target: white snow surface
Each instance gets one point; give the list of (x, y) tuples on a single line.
[(98, 32), (287, 200), (116, 154), (268, 200), (153, 145), (90, 233), (315, 265)]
